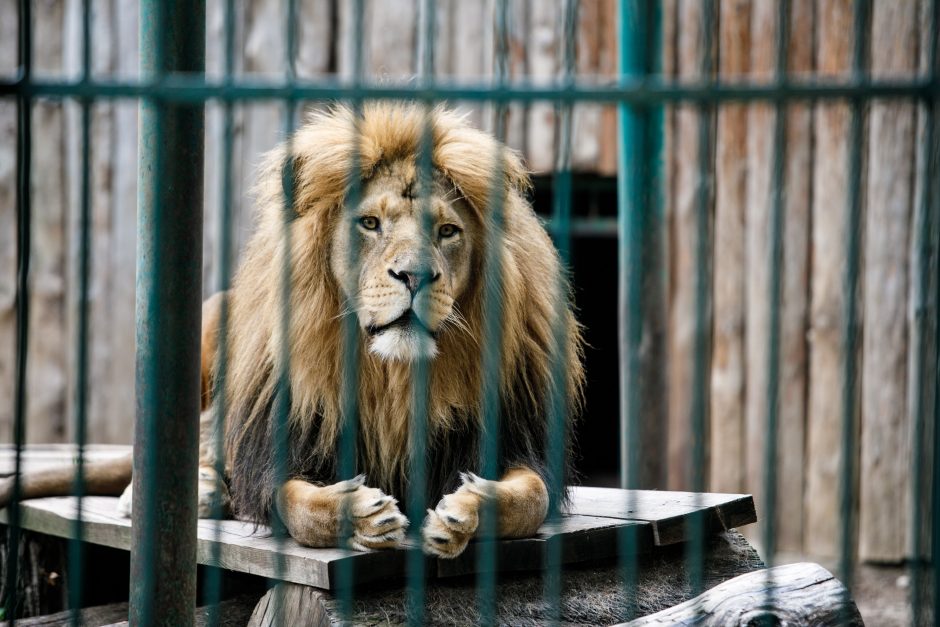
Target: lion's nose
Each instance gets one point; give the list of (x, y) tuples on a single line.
[(414, 280)]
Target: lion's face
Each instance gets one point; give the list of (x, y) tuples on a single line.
[(403, 261)]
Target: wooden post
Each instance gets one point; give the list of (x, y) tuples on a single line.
[(726, 441), (884, 522), (761, 157), (830, 172)]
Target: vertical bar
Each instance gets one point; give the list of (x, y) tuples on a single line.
[(850, 287), (219, 406), (639, 141), (349, 430), (169, 295), (777, 229), (24, 242), (418, 427), (492, 336), (558, 402), (76, 548), (698, 418)]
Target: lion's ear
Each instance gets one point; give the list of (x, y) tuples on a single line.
[(475, 161)]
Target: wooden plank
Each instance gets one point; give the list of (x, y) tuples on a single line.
[(667, 512), (884, 502), (726, 434), (803, 594), (542, 47), (586, 538), (589, 532), (824, 456)]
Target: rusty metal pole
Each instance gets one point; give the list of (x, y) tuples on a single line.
[(169, 294)]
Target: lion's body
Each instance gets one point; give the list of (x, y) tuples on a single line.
[(534, 292), (452, 271)]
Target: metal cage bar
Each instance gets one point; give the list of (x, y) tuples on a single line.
[(169, 299)]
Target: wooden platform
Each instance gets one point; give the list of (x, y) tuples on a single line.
[(589, 531)]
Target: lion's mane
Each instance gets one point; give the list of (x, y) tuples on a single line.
[(534, 300)]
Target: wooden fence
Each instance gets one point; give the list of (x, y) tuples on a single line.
[(737, 176)]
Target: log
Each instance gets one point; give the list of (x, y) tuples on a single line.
[(796, 594), (690, 174), (593, 595), (824, 455), (791, 380), (884, 500), (726, 436)]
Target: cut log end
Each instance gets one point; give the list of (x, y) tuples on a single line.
[(795, 594)]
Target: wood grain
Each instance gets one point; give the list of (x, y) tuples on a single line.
[(884, 499), (824, 456), (726, 437), (588, 532), (796, 594)]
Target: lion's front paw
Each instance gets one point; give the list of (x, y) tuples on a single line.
[(376, 520), (125, 504), (449, 526)]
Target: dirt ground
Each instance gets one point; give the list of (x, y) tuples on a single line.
[(882, 594)]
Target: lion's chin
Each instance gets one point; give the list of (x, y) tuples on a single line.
[(403, 344)]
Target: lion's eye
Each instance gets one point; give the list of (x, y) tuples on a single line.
[(448, 230), (369, 223)]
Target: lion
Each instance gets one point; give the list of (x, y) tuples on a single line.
[(404, 260)]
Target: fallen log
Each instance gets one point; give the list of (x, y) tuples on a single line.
[(795, 594)]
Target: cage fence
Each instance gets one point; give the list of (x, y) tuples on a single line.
[(669, 120)]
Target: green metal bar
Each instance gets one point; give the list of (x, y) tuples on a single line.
[(219, 402), (418, 427), (169, 294), (349, 432), (698, 417), (850, 329), (24, 218), (639, 25), (774, 287), (76, 546), (557, 401), (493, 311), (628, 91)]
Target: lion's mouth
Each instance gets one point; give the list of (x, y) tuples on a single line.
[(408, 320)]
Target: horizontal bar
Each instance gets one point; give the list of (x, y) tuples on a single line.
[(182, 88)]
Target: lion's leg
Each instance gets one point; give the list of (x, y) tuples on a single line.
[(521, 500), (313, 514)]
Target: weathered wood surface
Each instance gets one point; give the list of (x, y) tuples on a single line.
[(592, 595), (884, 500), (589, 532), (824, 454), (796, 594), (728, 374)]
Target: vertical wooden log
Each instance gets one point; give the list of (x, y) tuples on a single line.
[(761, 157), (391, 34), (824, 456), (790, 457), (120, 260), (47, 346), (683, 224), (8, 46), (884, 521), (607, 70), (586, 118), (542, 49), (727, 432)]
